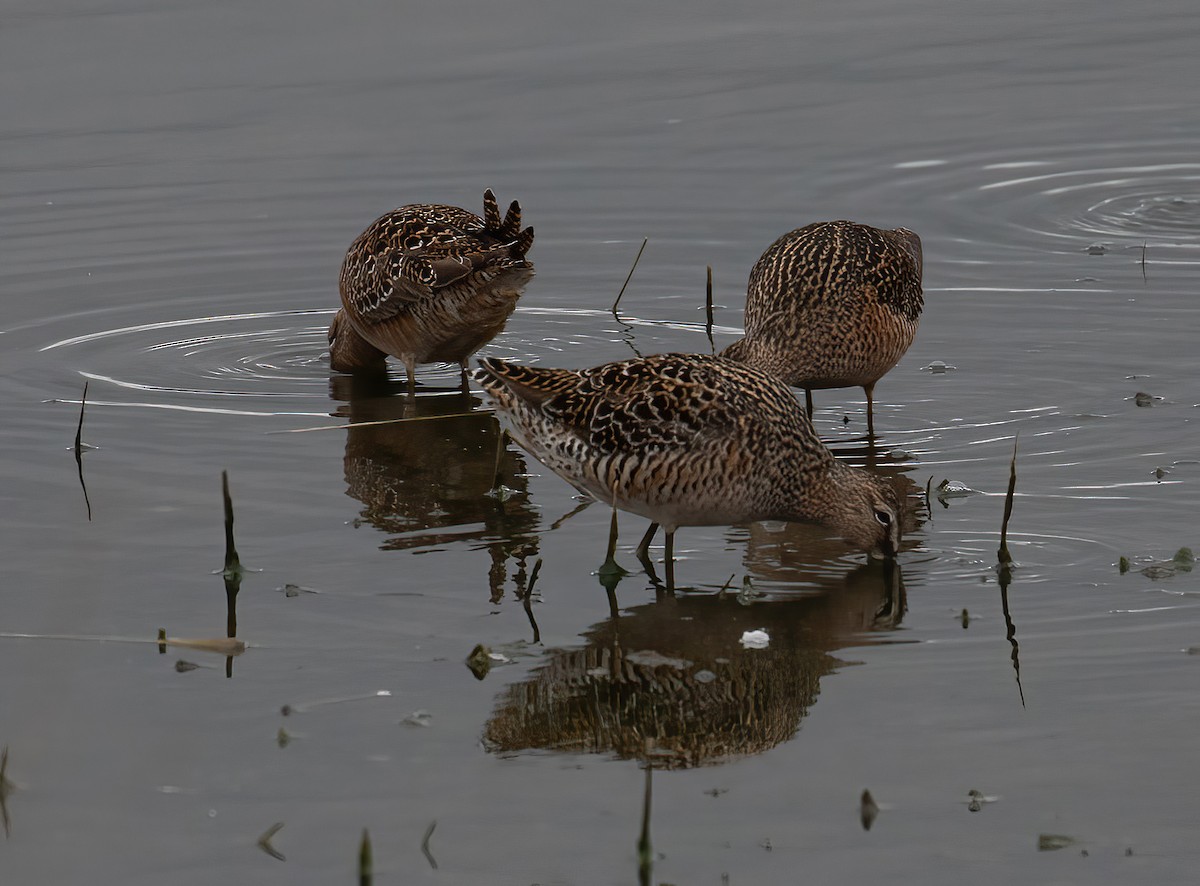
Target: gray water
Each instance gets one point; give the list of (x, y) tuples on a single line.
[(178, 184)]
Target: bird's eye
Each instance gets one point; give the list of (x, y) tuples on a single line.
[(883, 517)]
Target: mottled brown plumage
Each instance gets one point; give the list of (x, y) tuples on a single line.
[(833, 305), (428, 283), (690, 440)]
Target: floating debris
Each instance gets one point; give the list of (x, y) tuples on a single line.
[(937, 367), (295, 590), (182, 666), (749, 595), (1123, 565), (716, 792), (756, 639), (503, 493), (418, 718), (219, 645), (1159, 473), (951, 489), (966, 619), (1097, 249), (868, 810), (307, 706), (1141, 398), (1052, 842), (976, 800), (283, 738), (479, 662), (902, 455)]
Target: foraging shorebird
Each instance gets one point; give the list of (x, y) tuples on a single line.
[(833, 305), (428, 283), (690, 440)]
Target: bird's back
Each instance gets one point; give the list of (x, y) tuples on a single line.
[(684, 439), (835, 267), (833, 304), (430, 283), (413, 252)]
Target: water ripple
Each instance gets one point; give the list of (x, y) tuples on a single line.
[(1067, 197)]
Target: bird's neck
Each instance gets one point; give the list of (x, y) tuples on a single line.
[(758, 354)]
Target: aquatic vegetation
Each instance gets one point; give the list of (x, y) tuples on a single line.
[(1182, 562), (479, 662), (264, 841), (365, 863), (1141, 398), (1053, 842), (868, 810), (6, 788), (637, 258), (425, 850)]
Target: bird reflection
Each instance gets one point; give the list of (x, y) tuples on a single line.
[(445, 476), (804, 556), (675, 671)]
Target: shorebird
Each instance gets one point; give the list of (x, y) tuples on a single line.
[(429, 283), (833, 305), (690, 440)]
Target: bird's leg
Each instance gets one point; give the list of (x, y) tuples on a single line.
[(643, 553), (870, 391), (643, 549), (669, 553), (808, 401), (410, 368), (466, 388)]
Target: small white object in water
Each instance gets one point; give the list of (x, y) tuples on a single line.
[(756, 639), (954, 489)]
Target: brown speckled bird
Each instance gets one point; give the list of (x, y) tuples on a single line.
[(690, 440), (428, 283), (833, 305)]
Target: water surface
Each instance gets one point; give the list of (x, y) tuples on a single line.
[(180, 183)]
